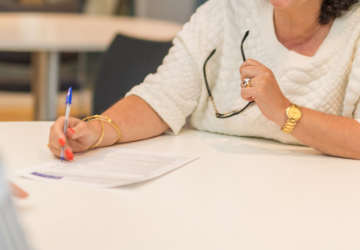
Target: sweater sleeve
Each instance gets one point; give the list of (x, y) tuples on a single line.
[(174, 91)]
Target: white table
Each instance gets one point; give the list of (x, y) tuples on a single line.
[(46, 35), (242, 193)]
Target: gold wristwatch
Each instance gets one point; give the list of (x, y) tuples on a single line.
[(294, 115)]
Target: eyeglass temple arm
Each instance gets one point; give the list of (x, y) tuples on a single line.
[(230, 114), (211, 55), (242, 43), (204, 69), (207, 84)]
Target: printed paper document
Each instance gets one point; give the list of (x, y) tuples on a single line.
[(108, 167)]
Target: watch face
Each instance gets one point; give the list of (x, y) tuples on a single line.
[(294, 113)]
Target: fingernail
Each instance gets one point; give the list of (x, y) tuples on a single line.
[(69, 154), (72, 130), (62, 142)]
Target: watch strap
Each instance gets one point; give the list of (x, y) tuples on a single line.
[(289, 126)]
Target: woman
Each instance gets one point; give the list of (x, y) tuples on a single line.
[(303, 52)]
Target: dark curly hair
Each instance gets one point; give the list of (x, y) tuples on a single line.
[(332, 9)]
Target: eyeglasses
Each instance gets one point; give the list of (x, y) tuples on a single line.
[(232, 113)]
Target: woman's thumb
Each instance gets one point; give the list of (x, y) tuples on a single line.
[(79, 130)]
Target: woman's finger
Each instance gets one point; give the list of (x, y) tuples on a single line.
[(73, 122), (248, 94), (81, 129), (68, 153), (55, 150), (84, 135), (18, 192), (249, 72), (250, 62), (258, 81), (57, 131), (57, 137)]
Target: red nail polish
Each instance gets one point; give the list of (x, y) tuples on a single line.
[(62, 142), (72, 130), (69, 154)]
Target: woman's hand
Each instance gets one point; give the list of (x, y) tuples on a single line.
[(80, 136), (18, 192), (265, 91)]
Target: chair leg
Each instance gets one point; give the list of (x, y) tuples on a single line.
[(45, 82)]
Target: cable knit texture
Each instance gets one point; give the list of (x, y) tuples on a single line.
[(328, 82)]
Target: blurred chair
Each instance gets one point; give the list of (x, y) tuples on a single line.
[(23, 58), (200, 2), (125, 64)]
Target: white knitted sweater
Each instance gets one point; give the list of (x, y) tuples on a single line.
[(328, 82)]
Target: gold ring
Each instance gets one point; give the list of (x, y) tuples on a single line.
[(48, 145), (246, 83)]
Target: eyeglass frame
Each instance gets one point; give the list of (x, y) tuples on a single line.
[(232, 113)]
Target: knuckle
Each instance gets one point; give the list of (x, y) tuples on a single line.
[(267, 74), (242, 70), (262, 81), (83, 125), (250, 60), (60, 119)]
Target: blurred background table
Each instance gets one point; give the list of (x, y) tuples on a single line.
[(242, 193), (46, 35)]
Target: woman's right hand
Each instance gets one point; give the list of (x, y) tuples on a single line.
[(80, 136)]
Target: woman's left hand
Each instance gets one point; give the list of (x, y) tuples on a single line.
[(264, 90), (18, 192)]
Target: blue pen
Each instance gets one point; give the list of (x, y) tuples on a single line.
[(67, 116)]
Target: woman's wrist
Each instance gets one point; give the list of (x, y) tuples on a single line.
[(96, 129), (281, 117), (110, 134)]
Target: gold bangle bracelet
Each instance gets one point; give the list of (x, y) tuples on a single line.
[(102, 134), (107, 120)]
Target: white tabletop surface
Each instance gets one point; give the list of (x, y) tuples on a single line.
[(242, 193), (76, 32)]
